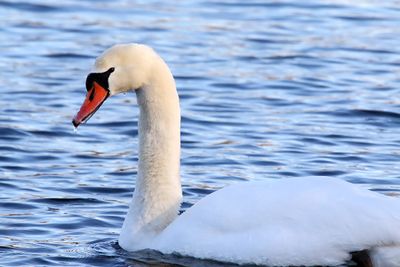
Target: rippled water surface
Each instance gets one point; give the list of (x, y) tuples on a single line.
[(269, 90)]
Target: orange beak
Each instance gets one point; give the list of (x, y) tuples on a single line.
[(95, 97)]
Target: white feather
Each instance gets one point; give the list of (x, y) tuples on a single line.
[(307, 221)]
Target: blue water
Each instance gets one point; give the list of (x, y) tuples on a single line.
[(269, 90)]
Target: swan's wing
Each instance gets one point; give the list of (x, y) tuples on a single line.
[(307, 221)]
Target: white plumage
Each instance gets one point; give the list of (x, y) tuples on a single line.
[(299, 221), (307, 221)]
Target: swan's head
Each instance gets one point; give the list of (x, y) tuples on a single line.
[(119, 69)]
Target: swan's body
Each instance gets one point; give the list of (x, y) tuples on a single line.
[(307, 221), (313, 221)]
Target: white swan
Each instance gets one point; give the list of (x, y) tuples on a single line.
[(312, 221)]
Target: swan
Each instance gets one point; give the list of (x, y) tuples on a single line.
[(278, 222)]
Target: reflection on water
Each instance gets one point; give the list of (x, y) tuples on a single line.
[(268, 91)]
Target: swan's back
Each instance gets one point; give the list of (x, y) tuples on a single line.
[(307, 221)]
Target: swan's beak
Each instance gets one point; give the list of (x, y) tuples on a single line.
[(95, 97)]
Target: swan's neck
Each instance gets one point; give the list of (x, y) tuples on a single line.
[(158, 194)]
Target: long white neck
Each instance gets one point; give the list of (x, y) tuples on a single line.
[(158, 193)]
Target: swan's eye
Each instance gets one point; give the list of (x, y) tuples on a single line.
[(100, 78)]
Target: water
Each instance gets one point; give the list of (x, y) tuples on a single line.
[(269, 90)]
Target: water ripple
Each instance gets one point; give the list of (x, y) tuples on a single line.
[(268, 90)]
